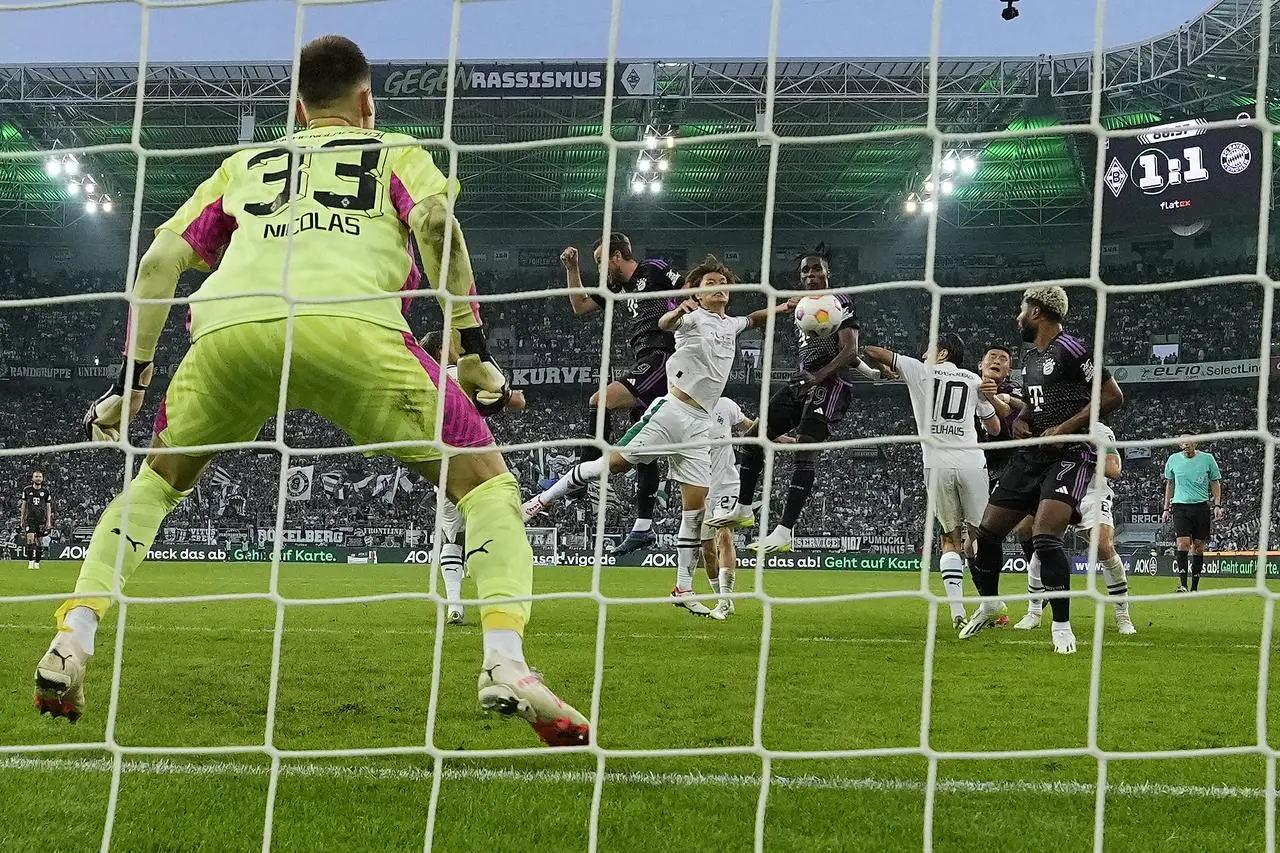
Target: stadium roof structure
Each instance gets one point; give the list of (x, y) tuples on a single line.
[(719, 166)]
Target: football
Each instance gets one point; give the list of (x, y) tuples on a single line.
[(819, 315)]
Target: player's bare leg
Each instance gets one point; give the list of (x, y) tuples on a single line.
[(161, 484), (688, 544), (727, 555), (501, 562), (997, 523)]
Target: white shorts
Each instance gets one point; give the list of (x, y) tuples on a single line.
[(960, 495), (452, 524), (669, 421), (1095, 509), (722, 497)]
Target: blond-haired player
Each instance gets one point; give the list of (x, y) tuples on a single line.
[(284, 233)]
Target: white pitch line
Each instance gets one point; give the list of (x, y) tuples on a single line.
[(164, 767)]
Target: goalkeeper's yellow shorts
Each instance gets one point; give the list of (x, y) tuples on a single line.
[(374, 382)]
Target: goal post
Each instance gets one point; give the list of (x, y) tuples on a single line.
[(944, 137)]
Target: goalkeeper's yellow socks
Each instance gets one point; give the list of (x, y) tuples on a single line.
[(499, 557), (150, 499)]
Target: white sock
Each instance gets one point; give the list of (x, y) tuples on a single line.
[(784, 532), (1035, 586), (687, 546), (726, 580), (505, 642), (451, 569), (715, 586), (1062, 626), (578, 476), (642, 525), (1117, 584), (83, 623), (952, 566)]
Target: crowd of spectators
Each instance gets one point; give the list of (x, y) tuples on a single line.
[(856, 491)]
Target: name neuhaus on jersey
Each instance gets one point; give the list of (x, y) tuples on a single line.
[(314, 221)]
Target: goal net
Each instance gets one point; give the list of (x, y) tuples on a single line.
[(835, 710)]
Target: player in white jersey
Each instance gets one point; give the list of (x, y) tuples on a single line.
[(719, 555), (453, 562), (706, 343), (946, 401), (1095, 517)]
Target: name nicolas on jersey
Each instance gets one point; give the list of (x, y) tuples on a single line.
[(314, 221)]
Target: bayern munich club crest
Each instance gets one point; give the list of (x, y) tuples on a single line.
[(1236, 158)]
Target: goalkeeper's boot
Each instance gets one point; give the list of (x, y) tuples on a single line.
[(1064, 640), (684, 598), (1124, 624), (533, 507), (958, 622), (512, 689), (1030, 622), (454, 616), (634, 541), (724, 607), (60, 678), (986, 616), (740, 516), (777, 542)]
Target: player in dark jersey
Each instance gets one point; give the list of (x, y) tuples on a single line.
[(1047, 480), (36, 516), (807, 409), (646, 380), (1003, 392)]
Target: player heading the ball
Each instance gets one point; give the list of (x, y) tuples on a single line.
[(354, 363), (706, 344)]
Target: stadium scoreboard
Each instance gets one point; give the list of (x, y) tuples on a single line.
[(1183, 171)]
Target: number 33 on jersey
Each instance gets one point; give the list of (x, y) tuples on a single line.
[(344, 231)]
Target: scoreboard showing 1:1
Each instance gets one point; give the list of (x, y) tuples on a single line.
[(1182, 172)]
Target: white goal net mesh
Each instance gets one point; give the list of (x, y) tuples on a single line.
[(769, 779)]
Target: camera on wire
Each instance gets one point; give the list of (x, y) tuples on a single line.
[(1010, 10)]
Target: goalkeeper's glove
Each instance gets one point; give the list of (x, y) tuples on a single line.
[(103, 420), (479, 375)]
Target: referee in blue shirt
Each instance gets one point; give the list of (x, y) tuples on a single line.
[(1190, 477)]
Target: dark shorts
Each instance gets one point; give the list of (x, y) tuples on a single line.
[(33, 527), (646, 379), (1192, 520), (814, 413), (1034, 477)]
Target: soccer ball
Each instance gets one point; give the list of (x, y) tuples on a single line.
[(819, 315)]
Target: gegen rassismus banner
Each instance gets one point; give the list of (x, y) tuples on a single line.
[(512, 79)]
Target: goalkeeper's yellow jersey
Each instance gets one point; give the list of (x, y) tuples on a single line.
[(346, 233)]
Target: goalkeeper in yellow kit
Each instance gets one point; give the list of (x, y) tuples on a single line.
[(343, 235)]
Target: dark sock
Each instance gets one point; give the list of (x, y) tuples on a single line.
[(1197, 564), (591, 452), (39, 549), (986, 567), (646, 489), (28, 551), (802, 477), (1055, 573), (1182, 567), (749, 473), (1028, 548)]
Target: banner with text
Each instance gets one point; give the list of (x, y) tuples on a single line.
[(512, 80), (1199, 372)]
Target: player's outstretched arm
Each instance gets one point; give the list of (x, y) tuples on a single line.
[(430, 221), (757, 319), (671, 320), (169, 256), (582, 302)]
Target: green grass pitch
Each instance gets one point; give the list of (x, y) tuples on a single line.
[(843, 675)]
